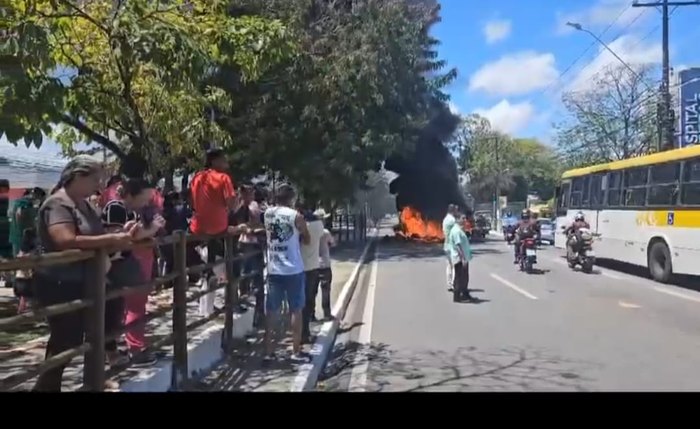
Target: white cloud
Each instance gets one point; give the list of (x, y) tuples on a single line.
[(508, 118), (497, 30), (454, 108), (601, 14), (628, 47), (515, 74)]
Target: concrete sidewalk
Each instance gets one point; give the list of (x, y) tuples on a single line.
[(243, 370)]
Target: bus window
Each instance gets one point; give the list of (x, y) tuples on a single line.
[(636, 187), (577, 190), (663, 184), (614, 188), (586, 196), (597, 190), (690, 193), (563, 199)]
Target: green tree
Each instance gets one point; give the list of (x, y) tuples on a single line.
[(493, 160), (127, 75), (359, 89), (615, 119)]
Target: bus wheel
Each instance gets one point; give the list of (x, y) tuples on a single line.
[(659, 262)]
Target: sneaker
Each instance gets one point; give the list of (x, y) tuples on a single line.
[(300, 358), (143, 359)]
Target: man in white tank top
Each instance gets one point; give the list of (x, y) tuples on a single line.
[(286, 230)]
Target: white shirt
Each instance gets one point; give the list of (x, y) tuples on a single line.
[(325, 249), (283, 247), (309, 252)]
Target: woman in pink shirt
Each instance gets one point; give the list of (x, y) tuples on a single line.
[(134, 200)]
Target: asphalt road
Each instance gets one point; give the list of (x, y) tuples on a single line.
[(559, 330)]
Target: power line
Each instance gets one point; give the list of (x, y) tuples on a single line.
[(666, 122), (585, 51)]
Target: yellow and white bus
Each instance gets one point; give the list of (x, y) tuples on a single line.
[(645, 211)]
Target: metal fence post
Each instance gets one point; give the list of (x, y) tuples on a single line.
[(94, 369), (230, 295), (347, 227), (354, 227), (180, 371)]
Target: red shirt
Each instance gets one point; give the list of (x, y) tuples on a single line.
[(210, 191)]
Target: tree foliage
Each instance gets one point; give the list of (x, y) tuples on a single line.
[(517, 167), (359, 89), (127, 75), (615, 119), (317, 91)]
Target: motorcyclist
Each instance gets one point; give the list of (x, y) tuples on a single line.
[(527, 228), (573, 231)]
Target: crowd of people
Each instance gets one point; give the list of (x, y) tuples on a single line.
[(285, 237)]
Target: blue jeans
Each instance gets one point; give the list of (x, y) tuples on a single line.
[(280, 287)]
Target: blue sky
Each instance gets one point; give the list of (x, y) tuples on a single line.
[(512, 54)]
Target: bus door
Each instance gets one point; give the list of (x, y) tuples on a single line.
[(562, 208)]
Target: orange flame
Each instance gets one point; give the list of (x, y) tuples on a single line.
[(413, 226)]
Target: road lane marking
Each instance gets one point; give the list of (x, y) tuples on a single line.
[(358, 376), (512, 286), (676, 294), (628, 305)]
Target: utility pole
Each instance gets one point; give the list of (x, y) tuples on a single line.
[(497, 191), (666, 138)]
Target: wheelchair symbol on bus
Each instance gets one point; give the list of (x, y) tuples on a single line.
[(670, 218)]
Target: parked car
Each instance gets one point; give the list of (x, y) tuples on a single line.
[(547, 230)]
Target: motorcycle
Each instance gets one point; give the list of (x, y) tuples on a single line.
[(583, 251), (509, 233), (528, 255)]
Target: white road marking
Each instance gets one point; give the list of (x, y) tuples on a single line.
[(628, 305), (358, 376), (512, 286), (676, 294)]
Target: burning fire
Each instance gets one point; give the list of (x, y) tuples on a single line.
[(413, 226)]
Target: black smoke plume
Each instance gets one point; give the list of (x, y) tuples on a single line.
[(428, 180)]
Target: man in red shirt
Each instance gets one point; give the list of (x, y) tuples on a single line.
[(213, 196)]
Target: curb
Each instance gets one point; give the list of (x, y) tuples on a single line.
[(308, 374)]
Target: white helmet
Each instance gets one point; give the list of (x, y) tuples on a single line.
[(579, 216)]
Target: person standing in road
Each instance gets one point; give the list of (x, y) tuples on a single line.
[(309, 254), (325, 273), (286, 231), (447, 223), (460, 255)]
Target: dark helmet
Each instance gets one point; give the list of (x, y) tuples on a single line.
[(525, 214)]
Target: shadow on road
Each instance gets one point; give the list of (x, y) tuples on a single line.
[(686, 282), (465, 369), (398, 249)]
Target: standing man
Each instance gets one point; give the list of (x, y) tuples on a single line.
[(286, 231), (325, 273), (447, 223), (310, 256), (460, 255), (249, 214), (213, 196)]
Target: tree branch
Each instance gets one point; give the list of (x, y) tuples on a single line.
[(94, 136)]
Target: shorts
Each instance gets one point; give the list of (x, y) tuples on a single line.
[(281, 287)]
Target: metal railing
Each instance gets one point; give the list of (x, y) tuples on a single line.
[(96, 296), (349, 227)]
